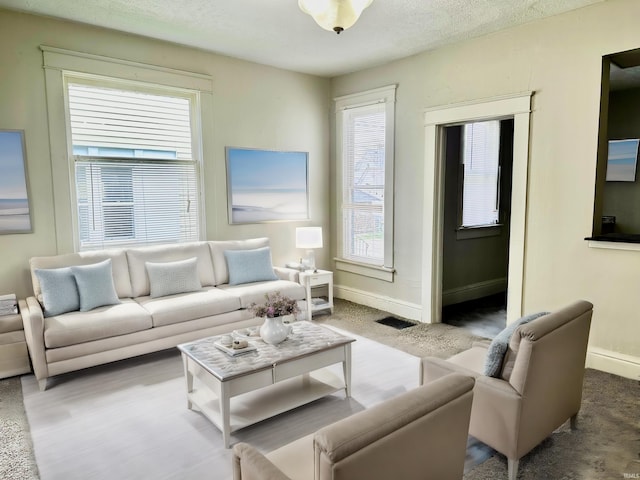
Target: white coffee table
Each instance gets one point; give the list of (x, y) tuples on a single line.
[(268, 381)]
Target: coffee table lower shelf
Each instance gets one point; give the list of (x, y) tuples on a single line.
[(266, 402)]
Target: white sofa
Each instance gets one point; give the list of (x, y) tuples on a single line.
[(140, 323)]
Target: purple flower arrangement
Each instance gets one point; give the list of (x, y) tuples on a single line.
[(277, 305)]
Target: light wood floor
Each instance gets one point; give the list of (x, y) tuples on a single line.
[(128, 420)]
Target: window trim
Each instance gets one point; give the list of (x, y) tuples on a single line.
[(386, 95), (58, 62)]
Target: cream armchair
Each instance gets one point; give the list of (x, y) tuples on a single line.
[(538, 387), (420, 434)]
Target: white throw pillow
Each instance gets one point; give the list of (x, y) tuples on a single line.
[(169, 278)]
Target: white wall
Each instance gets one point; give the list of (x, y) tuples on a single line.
[(254, 106), (560, 60)]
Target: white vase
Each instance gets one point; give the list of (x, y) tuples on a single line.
[(274, 330)]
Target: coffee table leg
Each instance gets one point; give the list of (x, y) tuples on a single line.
[(346, 369), (225, 414), (189, 379)]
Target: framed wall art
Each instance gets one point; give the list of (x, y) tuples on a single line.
[(15, 216), (267, 185), (622, 160)]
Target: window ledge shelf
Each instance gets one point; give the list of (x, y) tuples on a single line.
[(615, 243), (373, 271)]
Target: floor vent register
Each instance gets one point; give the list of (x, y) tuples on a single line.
[(396, 323)]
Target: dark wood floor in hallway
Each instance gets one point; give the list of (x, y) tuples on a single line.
[(485, 316)]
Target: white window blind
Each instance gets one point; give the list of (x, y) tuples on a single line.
[(136, 177), (364, 183), (480, 192)]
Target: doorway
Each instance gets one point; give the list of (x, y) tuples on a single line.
[(478, 161), (516, 107)]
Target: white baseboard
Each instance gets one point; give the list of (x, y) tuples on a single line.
[(473, 291), (408, 310), (613, 362)]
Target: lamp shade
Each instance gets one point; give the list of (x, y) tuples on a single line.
[(334, 15), (309, 237)]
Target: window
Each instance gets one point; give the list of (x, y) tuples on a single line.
[(481, 175), (365, 124), (136, 177)]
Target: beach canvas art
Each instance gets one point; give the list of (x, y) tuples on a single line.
[(267, 186), (14, 201), (621, 164)]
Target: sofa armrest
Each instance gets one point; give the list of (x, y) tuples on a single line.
[(284, 273), (250, 464), (33, 321)]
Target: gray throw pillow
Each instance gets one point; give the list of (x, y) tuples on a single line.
[(499, 345), (247, 266), (59, 290), (169, 278), (95, 285)]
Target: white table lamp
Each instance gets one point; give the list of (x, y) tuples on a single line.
[(309, 238)]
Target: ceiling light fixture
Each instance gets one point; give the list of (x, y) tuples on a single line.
[(334, 15)]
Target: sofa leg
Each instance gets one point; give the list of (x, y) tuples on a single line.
[(573, 421), (512, 467), (42, 384)]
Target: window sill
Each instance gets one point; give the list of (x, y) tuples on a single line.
[(478, 232), (373, 271)]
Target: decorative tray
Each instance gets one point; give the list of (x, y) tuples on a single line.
[(235, 351)]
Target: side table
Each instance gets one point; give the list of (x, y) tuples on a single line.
[(310, 279), (14, 357)]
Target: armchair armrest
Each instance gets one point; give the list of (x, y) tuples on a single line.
[(497, 409), (33, 321), (250, 464), (481, 343), (432, 368)]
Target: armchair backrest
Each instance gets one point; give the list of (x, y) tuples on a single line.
[(545, 365), (417, 435)]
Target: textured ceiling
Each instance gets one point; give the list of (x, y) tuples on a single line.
[(278, 33)]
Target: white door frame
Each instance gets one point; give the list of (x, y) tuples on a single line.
[(518, 107)]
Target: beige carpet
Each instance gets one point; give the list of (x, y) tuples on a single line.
[(16, 454)]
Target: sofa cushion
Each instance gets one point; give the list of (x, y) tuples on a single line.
[(137, 258), (95, 285), (249, 293), (498, 347), (247, 266), (59, 290), (218, 248), (103, 322), (119, 266), (169, 278), (188, 306)]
